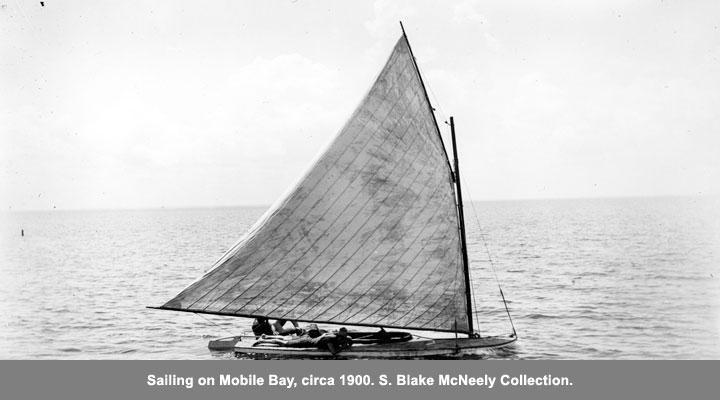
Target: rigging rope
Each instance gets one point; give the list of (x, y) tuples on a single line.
[(482, 235), (435, 98), (444, 118), (492, 263), (213, 322), (475, 307)]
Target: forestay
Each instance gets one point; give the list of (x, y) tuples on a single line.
[(369, 236)]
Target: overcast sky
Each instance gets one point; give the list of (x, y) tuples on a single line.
[(193, 103)]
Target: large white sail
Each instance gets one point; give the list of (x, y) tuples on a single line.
[(368, 237)]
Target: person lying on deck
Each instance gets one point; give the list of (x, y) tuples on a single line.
[(311, 330), (261, 326), (332, 342)]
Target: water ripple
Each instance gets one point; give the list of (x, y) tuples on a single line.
[(617, 278)]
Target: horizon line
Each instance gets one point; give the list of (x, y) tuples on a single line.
[(486, 200)]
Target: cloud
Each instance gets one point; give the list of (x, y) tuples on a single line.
[(124, 107), (492, 42), (466, 12), (146, 128), (386, 15)]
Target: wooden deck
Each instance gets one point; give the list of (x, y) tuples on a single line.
[(418, 347)]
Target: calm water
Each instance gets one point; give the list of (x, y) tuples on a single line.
[(610, 278)]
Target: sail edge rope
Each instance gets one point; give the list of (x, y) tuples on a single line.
[(492, 263)]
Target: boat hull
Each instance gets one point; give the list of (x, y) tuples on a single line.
[(418, 347)]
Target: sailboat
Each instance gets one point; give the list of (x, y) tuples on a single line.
[(373, 235)]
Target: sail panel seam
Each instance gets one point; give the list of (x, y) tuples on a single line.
[(360, 264), (340, 214), (312, 208), (345, 130)]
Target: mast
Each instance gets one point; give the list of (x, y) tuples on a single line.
[(327, 252), (456, 178), (463, 240)]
